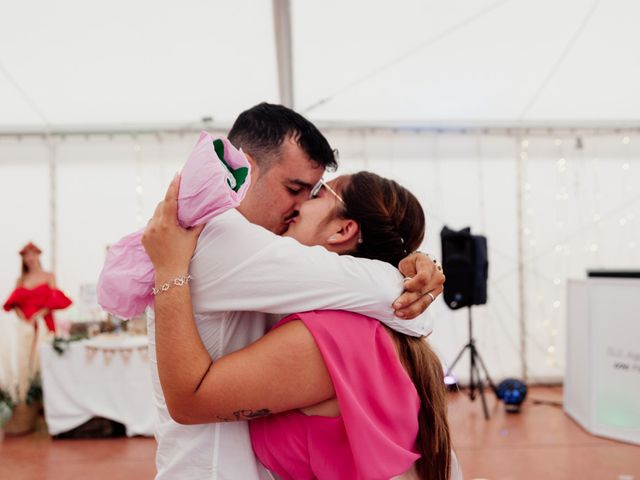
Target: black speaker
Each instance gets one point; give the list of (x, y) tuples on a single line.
[(466, 265)]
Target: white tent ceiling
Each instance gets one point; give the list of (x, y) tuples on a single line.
[(124, 62)]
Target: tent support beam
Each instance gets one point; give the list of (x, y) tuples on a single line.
[(282, 32), (514, 129), (521, 158), (53, 207)]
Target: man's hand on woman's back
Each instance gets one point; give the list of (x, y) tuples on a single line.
[(424, 281)]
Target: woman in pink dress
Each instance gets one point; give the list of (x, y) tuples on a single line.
[(330, 394)]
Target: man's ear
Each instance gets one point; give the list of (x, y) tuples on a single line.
[(348, 230), (255, 170)]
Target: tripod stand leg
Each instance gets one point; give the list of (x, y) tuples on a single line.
[(458, 357), (482, 397), (475, 381), (473, 375), (486, 372)]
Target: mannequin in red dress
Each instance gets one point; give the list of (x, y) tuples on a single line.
[(35, 293)]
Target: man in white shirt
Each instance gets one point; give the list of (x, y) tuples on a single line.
[(242, 272)]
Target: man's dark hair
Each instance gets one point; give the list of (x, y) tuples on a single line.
[(261, 130)]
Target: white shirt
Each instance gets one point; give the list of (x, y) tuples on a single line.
[(241, 273)]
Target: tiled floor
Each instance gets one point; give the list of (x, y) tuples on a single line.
[(540, 443)]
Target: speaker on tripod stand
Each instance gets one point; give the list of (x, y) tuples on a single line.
[(466, 265)]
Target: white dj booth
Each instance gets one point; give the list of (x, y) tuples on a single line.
[(602, 378)]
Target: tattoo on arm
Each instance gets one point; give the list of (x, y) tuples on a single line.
[(203, 377), (238, 414), (246, 415)]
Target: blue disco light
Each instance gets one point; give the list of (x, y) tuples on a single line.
[(512, 392)]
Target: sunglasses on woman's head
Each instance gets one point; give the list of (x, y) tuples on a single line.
[(315, 191)]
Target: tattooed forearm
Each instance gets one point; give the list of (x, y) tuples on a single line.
[(250, 414), (203, 377), (246, 415)]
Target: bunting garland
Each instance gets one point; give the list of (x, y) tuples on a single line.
[(109, 353)]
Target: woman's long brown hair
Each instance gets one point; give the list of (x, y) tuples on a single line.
[(25, 270), (392, 225)]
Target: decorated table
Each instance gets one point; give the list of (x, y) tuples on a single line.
[(106, 376)]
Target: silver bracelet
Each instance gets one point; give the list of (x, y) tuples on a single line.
[(178, 282)]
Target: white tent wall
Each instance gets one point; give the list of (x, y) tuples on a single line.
[(582, 212), (26, 217), (105, 188), (581, 209), (458, 180)]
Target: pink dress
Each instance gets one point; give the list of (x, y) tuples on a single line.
[(375, 435), (214, 180)]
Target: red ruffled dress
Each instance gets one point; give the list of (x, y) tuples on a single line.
[(32, 300)]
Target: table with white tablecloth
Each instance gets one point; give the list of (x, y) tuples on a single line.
[(102, 377)]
